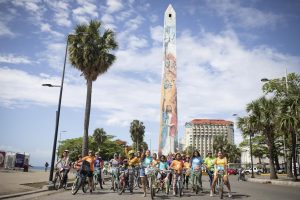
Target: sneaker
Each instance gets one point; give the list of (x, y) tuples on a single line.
[(229, 194), (174, 193), (211, 193), (144, 195)]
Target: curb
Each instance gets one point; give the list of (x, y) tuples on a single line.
[(7, 196), (274, 182)]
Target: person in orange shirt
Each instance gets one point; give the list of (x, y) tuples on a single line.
[(177, 166), (91, 159), (78, 163)]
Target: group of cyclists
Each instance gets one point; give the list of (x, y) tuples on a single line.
[(181, 165)]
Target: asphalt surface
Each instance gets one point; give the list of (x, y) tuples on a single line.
[(240, 190)]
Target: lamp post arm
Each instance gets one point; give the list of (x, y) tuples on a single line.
[(58, 114)]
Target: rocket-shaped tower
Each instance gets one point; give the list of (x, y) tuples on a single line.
[(168, 137)]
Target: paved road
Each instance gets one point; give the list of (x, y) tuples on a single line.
[(241, 190)]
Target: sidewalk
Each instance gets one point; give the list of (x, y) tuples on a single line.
[(19, 182), (282, 180)]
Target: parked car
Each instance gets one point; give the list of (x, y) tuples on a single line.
[(232, 171), (255, 170)]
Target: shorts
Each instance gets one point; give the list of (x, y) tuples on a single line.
[(142, 172), (90, 174)]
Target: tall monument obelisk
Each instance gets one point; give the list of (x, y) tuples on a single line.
[(168, 137)]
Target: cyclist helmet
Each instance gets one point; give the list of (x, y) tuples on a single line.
[(125, 161)]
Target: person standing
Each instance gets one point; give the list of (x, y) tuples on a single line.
[(196, 166), (209, 166), (46, 166), (91, 159)]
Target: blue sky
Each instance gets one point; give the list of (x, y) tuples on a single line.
[(224, 48)]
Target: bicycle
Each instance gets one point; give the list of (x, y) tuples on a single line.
[(220, 183), (164, 181), (137, 178), (126, 180), (60, 178), (197, 180), (115, 179), (178, 178), (80, 181), (97, 177), (151, 176)]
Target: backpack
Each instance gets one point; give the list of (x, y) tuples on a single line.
[(85, 167)]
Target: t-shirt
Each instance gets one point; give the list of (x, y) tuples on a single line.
[(91, 160), (147, 161), (220, 163), (210, 162), (114, 163), (163, 165), (177, 165), (196, 163)]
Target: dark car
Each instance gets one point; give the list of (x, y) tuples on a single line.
[(232, 171)]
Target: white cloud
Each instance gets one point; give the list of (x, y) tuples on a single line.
[(135, 42), (45, 27), (61, 12), (157, 33), (235, 14), (13, 59), (85, 11), (5, 30), (217, 75), (114, 5), (134, 24)]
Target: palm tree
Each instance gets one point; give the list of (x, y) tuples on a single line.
[(90, 52), (261, 120), (219, 143), (99, 136), (137, 131)]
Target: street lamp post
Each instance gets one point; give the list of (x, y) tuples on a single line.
[(58, 109)]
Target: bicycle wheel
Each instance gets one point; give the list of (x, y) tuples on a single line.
[(151, 187), (122, 186), (57, 181), (85, 185), (167, 186), (196, 185), (76, 185), (116, 185), (180, 187), (221, 189)]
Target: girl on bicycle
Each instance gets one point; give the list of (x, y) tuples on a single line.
[(177, 166), (187, 168), (146, 161), (221, 164), (114, 165), (196, 166)]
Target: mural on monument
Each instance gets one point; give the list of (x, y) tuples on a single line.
[(168, 124)]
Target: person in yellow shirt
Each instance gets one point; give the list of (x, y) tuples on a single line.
[(132, 159), (91, 159), (177, 166), (221, 164), (187, 168)]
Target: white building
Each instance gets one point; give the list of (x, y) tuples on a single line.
[(199, 133)]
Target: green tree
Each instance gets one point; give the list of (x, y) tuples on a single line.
[(219, 143), (90, 52), (137, 132), (261, 119), (287, 91), (99, 136)]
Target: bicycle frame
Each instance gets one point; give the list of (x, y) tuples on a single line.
[(220, 183)]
